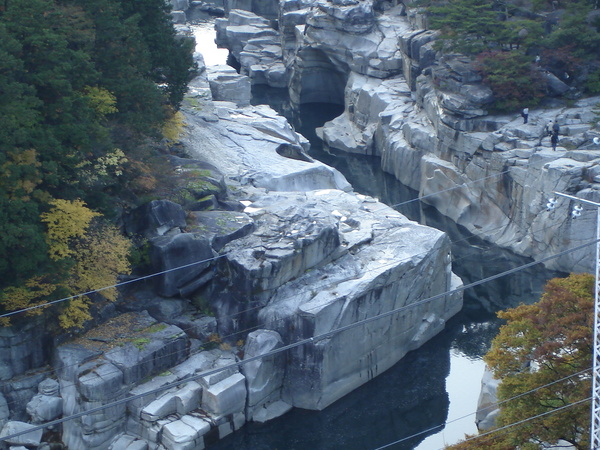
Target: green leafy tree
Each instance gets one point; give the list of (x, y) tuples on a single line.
[(83, 85), (541, 343), (513, 79), (171, 57), (468, 26)]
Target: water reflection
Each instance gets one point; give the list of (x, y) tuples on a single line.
[(203, 27), (402, 402), (428, 386)]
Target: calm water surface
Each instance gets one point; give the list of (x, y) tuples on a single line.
[(428, 399)]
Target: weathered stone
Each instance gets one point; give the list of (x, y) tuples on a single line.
[(227, 85), (144, 398), (225, 397), (252, 157), (222, 227), (44, 408), (22, 348), (487, 405), (4, 411), (31, 438), (19, 391), (155, 352), (128, 442), (270, 411), (101, 383), (185, 433), (155, 218), (170, 252), (264, 376)]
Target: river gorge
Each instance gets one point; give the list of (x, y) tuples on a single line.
[(400, 407), (333, 195)]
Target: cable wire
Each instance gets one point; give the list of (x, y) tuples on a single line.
[(528, 419), (322, 336), (443, 425)]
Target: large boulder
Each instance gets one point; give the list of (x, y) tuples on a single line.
[(47, 404), (155, 218), (182, 259), (24, 436), (264, 376), (251, 158), (23, 346), (227, 85), (379, 252)]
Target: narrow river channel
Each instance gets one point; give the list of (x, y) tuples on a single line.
[(428, 399)]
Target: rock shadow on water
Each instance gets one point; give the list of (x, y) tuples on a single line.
[(399, 404)]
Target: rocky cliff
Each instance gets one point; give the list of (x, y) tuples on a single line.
[(426, 116), (273, 286)]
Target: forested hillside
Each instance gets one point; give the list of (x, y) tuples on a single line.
[(85, 86), (525, 50)]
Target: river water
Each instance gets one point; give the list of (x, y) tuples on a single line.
[(427, 400)]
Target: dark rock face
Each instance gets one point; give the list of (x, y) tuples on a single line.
[(190, 254), (221, 227), (155, 218), (22, 347)]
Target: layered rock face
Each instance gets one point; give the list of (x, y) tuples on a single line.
[(335, 288), (426, 116)]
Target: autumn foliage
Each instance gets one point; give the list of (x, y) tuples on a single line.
[(90, 256), (86, 90), (541, 343)]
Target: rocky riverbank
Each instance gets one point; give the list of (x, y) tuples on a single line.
[(426, 116), (264, 249)]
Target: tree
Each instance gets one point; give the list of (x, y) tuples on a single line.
[(513, 79), (539, 344), (97, 253), (83, 86), (101, 256), (467, 25)]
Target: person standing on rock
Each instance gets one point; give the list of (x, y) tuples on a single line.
[(555, 128), (554, 141), (525, 114)]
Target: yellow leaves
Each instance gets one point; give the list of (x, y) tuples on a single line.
[(103, 168), (32, 293), (66, 220), (98, 253), (111, 162), (100, 100), (173, 127), (76, 314), (101, 257)]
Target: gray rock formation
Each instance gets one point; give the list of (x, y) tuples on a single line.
[(31, 438), (47, 404), (189, 253), (426, 117), (155, 218), (242, 143), (22, 347), (264, 376), (302, 260), (227, 85), (487, 405)]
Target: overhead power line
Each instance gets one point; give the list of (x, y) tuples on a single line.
[(441, 426), (258, 326), (313, 339), (155, 274)]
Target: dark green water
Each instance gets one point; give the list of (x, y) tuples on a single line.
[(409, 404)]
